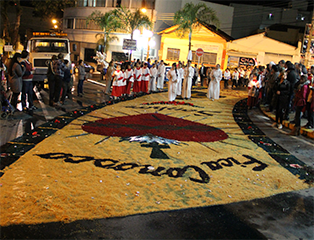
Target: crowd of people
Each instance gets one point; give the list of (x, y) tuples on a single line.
[(284, 88)]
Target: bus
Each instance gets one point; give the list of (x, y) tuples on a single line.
[(41, 47)]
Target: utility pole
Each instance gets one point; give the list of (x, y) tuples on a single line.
[(309, 43), (152, 19)]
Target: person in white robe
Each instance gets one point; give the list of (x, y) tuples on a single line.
[(180, 79), (214, 85), (172, 75), (187, 82), (161, 75), (153, 77)]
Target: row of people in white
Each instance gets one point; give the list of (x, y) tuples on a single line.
[(180, 81)]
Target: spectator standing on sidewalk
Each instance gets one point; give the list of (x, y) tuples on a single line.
[(81, 76), (253, 91), (202, 72), (292, 79), (270, 86), (282, 91), (300, 103), (16, 71), (235, 78), (27, 88), (310, 101), (195, 75), (227, 77), (51, 79), (58, 69), (66, 81)]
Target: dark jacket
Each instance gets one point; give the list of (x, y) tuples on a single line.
[(16, 78), (67, 75), (284, 89), (292, 79)]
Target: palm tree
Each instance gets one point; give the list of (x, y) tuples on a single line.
[(109, 24), (132, 20), (191, 16)]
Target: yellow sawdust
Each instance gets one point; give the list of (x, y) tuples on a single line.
[(39, 190)]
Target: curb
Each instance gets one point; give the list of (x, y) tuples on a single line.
[(303, 131)]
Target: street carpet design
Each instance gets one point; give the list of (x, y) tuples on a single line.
[(142, 156)]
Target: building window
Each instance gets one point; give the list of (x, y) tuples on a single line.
[(173, 54), (70, 23), (207, 58), (86, 3), (100, 3), (119, 3), (149, 4), (82, 24)]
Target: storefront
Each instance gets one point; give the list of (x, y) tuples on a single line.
[(259, 50), (207, 37)]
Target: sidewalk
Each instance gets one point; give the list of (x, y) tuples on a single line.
[(303, 131)]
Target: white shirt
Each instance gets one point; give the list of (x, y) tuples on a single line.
[(153, 72), (129, 75), (137, 74), (145, 74)]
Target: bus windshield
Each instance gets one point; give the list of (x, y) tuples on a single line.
[(49, 45)]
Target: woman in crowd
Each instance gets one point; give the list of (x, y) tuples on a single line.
[(172, 75), (281, 91), (81, 75), (161, 75), (300, 103), (214, 86), (253, 91), (16, 71)]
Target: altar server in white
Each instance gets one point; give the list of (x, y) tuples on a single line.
[(172, 75), (214, 85), (161, 75)]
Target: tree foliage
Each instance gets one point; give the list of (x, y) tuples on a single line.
[(191, 16), (132, 20), (51, 8), (109, 23), (11, 29)]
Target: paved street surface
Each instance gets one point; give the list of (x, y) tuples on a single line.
[(282, 216)]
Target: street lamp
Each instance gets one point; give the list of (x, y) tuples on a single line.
[(54, 21)]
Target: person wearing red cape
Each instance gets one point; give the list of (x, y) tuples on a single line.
[(117, 85), (145, 78), (137, 79)]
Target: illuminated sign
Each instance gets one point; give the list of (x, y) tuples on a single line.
[(48, 34)]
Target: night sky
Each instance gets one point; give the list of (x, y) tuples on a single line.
[(280, 3)]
